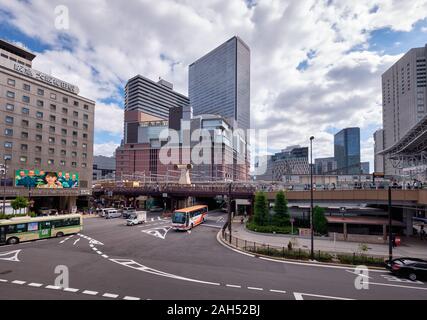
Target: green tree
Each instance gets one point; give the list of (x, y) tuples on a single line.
[(281, 211), (319, 220), (260, 209), (19, 203)]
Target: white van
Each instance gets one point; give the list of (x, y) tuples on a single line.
[(113, 214), (103, 211)]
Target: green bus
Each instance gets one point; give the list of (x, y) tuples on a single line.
[(23, 229)]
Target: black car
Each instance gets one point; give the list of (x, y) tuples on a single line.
[(411, 268)]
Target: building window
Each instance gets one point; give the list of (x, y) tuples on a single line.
[(86, 107), (52, 118), (39, 126), (7, 157), (75, 114), (53, 96), (38, 149), (85, 136), (64, 132), (25, 99), (51, 140), (84, 155), (63, 142), (62, 162), (10, 94), (8, 145), (40, 103), (84, 145), (63, 153), (37, 161), (10, 107), (24, 147), (39, 115), (85, 126), (64, 121), (76, 103), (64, 99), (65, 110), (39, 137), (84, 165), (25, 123), (52, 107), (74, 164), (25, 110), (75, 124), (40, 92), (50, 162), (85, 117), (74, 143), (23, 159), (11, 82), (74, 134), (51, 129), (74, 154), (26, 87), (9, 120), (8, 132), (51, 151)]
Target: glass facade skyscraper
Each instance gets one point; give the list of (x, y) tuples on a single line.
[(347, 151), (219, 83)]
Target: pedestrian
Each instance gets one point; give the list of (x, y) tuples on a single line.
[(393, 240)]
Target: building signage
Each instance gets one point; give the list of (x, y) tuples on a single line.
[(45, 78), (46, 180)]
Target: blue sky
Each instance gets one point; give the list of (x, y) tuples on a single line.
[(316, 65)]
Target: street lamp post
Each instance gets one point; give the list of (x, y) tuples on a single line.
[(390, 234), (311, 198), (229, 209), (4, 171)]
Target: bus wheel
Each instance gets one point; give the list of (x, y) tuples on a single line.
[(13, 241), (59, 234), (191, 227)]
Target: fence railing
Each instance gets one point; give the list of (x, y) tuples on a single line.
[(285, 252)]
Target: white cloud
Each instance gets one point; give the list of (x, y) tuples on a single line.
[(341, 87), (105, 149), (424, 29)]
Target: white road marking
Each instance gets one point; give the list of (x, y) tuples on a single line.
[(36, 285), (277, 291), (392, 278), (131, 298), (10, 255), (71, 290), (233, 286), (299, 296), (91, 245), (3, 280), (53, 287), (91, 293), (94, 249), (158, 232), (255, 288), (99, 252), (19, 282), (93, 241), (396, 285), (76, 242), (358, 274), (104, 256), (158, 218), (110, 295)]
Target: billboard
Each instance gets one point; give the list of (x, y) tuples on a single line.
[(46, 179)]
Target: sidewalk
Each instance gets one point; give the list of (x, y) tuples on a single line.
[(410, 247)]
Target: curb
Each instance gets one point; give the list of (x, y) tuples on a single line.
[(293, 261)]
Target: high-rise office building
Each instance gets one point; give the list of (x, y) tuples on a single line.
[(325, 166), (219, 83), (365, 167), (47, 127), (404, 98), (347, 151), (378, 147)]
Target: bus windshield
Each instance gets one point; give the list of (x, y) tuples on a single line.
[(179, 217)]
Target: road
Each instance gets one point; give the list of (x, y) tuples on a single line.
[(109, 260)]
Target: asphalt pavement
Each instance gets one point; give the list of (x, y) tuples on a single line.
[(109, 260)]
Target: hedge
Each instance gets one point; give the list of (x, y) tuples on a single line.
[(271, 229)]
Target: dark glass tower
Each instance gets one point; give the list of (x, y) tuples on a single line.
[(219, 83), (347, 151)]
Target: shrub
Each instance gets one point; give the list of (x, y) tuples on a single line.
[(270, 229), (261, 209), (319, 220), (360, 260)]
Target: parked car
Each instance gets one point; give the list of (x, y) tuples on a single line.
[(128, 211), (411, 268), (103, 211), (139, 218)]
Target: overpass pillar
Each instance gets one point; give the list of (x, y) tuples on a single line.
[(407, 218), (345, 231)]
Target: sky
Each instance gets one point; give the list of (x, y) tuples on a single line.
[(316, 65)]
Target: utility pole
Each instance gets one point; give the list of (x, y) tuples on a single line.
[(390, 234), (311, 198), (229, 209)]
